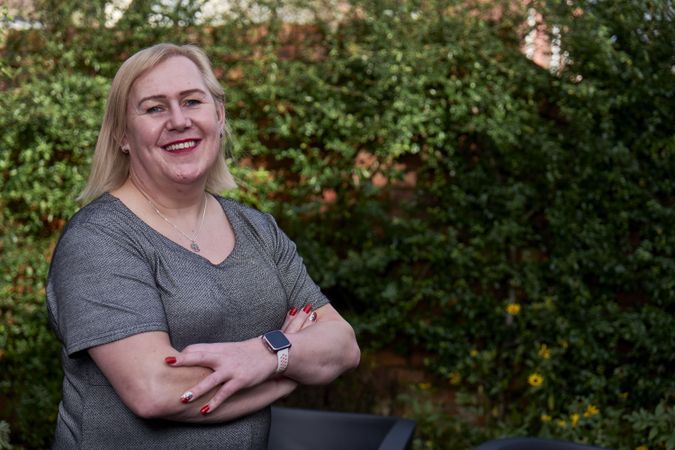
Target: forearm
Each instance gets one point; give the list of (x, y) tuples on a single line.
[(322, 352), (322, 347), (152, 388)]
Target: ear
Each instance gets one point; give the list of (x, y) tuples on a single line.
[(220, 114), (124, 144)]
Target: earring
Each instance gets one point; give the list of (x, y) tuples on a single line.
[(125, 148)]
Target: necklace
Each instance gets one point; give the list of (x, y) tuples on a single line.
[(193, 240)]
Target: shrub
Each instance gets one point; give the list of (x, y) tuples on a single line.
[(451, 197)]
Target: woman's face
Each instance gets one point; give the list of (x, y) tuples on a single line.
[(173, 126)]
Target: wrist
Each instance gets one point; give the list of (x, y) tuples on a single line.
[(278, 344)]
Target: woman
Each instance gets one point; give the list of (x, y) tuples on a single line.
[(160, 290)]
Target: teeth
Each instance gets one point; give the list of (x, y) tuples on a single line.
[(180, 146)]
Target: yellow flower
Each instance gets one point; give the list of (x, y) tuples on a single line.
[(454, 378), (513, 308), (535, 379), (574, 418), (545, 418), (642, 447), (561, 423), (425, 386), (623, 395), (591, 410), (544, 351), (473, 353)]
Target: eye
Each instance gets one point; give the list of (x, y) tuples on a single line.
[(192, 102), (153, 109)]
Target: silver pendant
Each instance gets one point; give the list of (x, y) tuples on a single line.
[(194, 246)]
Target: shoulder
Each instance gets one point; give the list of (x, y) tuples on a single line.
[(259, 227), (102, 222), (104, 211), (250, 216)]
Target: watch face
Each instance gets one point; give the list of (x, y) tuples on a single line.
[(276, 340)]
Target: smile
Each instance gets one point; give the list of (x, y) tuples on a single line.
[(178, 146)]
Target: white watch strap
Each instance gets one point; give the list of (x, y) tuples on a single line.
[(282, 360)]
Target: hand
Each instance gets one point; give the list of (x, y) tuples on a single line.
[(235, 365), (299, 320)]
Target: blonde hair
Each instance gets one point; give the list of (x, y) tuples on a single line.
[(109, 166)]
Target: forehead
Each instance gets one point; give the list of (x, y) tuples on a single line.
[(174, 74)]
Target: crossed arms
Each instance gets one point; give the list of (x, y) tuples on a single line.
[(227, 380)]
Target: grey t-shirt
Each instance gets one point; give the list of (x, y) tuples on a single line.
[(112, 276)]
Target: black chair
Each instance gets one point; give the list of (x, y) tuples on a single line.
[(529, 443), (303, 429)]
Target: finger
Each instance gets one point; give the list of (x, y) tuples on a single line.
[(225, 392), (311, 320), (289, 318), (204, 359), (196, 359), (313, 317), (300, 319), (200, 388), (307, 316), (206, 348)]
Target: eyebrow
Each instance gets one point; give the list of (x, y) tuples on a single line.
[(162, 97)]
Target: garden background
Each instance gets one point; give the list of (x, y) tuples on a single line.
[(499, 233)]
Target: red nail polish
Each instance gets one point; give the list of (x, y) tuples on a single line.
[(170, 360), (204, 410), (307, 308), (293, 311)]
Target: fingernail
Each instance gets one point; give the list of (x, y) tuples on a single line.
[(307, 308), (170, 360), (293, 311), (204, 410), (312, 317), (185, 398)]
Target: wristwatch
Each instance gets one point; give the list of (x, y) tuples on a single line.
[(278, 343)]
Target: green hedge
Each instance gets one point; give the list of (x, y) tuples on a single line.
[(452, 198)]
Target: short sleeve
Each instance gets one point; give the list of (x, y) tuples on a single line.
[(101, 289), (299, 286)]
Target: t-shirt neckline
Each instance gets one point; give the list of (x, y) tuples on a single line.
[(174, 245)]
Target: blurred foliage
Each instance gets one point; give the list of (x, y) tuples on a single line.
[(449, 195)]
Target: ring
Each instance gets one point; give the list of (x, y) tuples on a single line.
[(312, 317)]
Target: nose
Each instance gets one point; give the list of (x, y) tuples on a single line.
[(178, 119)]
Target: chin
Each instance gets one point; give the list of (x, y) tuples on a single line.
[(187, 178)]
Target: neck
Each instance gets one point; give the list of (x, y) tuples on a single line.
[(175, 216), (170, 201)]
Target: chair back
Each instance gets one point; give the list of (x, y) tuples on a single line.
[(532, 443), (303, 429)]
